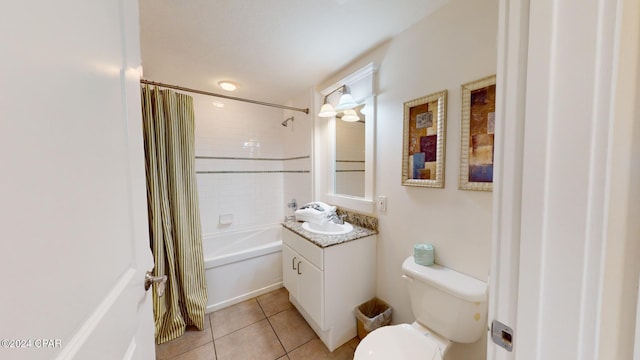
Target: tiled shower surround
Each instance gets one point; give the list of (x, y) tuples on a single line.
[(243, 160)]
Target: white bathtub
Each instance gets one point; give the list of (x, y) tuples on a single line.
[(241, 265)]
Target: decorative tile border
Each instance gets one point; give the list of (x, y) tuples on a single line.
[(231, 158), (350, 166), (254, 172), (250, 158)]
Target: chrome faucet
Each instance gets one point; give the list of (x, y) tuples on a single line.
[(338, 219), (292, 205)]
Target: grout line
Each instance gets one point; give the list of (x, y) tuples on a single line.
[(277, 336), (303, 344), (180, 337), (244, 327), (261, 308), (286, 353), (213, 340), (268, 318)]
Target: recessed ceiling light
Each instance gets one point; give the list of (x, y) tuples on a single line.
[(228, 85)]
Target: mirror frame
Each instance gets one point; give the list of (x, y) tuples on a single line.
[(361, 84)]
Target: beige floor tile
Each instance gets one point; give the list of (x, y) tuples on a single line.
[(275, 302), (284, 358), (204, 352), (354, 342), (254, 342), (191, 339), (235, 317), (291, 328), (316, 350)]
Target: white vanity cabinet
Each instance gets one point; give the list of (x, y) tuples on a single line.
[(327, 284), (303, 279)]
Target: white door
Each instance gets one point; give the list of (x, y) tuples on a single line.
[(565, 246), (74, 243), (513, 32)]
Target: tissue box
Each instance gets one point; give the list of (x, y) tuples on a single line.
[(423, 254)]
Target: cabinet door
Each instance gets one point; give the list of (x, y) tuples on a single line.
[(289, 270), (311, 290)]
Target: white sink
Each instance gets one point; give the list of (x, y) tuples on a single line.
[(328, 228)]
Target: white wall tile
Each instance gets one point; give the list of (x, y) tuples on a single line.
[(254, 199), (297, 142)]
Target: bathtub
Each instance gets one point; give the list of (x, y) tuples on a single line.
[(241, 265)]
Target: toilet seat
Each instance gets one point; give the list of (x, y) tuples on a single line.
[(398, 342)]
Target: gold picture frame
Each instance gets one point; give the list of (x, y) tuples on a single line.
[(423, 148), (477, 134)]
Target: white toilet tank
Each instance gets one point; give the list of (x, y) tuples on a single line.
[(450, 303)]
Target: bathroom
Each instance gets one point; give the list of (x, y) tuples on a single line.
[(555, 239), (250, 165), (290, 160)]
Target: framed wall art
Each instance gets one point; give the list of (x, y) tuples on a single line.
[(424, 141), (477, 134)]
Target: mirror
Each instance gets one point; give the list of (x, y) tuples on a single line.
[(350, 155), (343, 151)]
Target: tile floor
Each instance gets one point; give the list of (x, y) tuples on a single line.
[(264, 328)]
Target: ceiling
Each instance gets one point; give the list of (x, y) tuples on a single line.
[(274, 49)]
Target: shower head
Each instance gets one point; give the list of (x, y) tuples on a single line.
[(284, 123)]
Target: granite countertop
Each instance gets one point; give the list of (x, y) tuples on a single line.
[(324, 241)]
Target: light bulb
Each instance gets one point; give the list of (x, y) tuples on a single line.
[(327, 111), (346, 102), (350, 116), (228, 85)]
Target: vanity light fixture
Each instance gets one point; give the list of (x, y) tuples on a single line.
[(327, 111), (350, 115), (228, 85), (345, 104)]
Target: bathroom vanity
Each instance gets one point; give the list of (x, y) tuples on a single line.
[(328, 276)]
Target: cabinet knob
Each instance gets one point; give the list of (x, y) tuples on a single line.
[(293, 262), (299, 273)]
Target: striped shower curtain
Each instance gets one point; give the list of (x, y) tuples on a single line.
[(174, 217)]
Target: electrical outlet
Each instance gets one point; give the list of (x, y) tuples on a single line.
[(382, 203)]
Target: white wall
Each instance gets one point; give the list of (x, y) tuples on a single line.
[(455, 45)]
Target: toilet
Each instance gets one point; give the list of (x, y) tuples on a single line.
[(448, 307)]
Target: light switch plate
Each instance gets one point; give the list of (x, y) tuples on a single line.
[(382, 203)]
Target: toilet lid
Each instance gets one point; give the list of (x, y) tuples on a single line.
[(397, 342)]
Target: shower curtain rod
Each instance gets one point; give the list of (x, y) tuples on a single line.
[(176, 87)]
